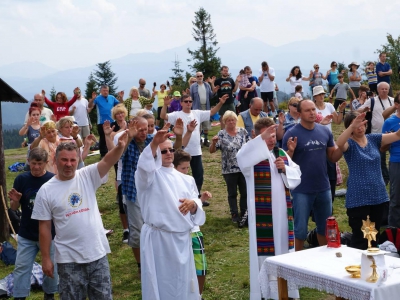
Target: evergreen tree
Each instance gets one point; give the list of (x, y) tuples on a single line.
[(177, 80), (104, 75), (53, 93), (392, 50), (204, 59), (91, 86)]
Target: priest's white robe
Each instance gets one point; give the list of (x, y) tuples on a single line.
[(252, 153), (167, 264)]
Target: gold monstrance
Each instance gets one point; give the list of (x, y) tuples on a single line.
[(368, 228)]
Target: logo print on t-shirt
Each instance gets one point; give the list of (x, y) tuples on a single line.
[(74, 200)]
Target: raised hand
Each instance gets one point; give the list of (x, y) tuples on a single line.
[(342, 106), (326, 120), (75, 131), (292, 144), (30, 121), (223, 98), (43, 93), (166, 126), (14, 195), (121, 94), (359, 121), (107, 127), (43, 132), (167, 100), (269, 132), (132, 128), (123, 139), (178, 128), (76, 90), (238, 78), (90, 139), (191, 126), (281, 118), (160, 137), (216, 88), (94, 95)]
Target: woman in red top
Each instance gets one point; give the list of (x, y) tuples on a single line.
[(61, 107)]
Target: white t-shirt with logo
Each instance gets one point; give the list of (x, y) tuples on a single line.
[(81, 114), (267, 85), (193, 147), (72, 206)]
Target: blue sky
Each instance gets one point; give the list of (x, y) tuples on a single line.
[(72, 33)]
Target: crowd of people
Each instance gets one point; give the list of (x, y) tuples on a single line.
[(284, 166)]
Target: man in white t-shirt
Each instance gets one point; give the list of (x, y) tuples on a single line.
[(69, 200), (187, 115), (381, 102), (267, 86), (80, 112), (45, 113)]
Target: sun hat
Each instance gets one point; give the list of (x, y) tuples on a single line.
[(354, 63), (177, 94), (317, 90)]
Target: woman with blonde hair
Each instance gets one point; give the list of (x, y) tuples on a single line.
[(229, 141), (132, 103)]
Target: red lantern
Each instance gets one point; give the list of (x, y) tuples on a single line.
[(332, 233)]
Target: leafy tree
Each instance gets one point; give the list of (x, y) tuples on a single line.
[(204, 59), (104, 75), (177, 80), (392, 50), (53, 93), (91, 86)]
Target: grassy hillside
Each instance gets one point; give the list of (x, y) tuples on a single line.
[(226, 245)]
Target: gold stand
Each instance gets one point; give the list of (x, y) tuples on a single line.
[(374, 277)]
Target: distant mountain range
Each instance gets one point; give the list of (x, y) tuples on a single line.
[(29, 78)]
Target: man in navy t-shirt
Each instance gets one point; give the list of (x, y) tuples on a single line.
[(309, 145), (23, 194), (384, 71)]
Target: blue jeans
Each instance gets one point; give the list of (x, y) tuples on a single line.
[(26, 254), (320, 203)]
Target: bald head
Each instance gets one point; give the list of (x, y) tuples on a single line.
[(39, 99), (383, 90), (256, 105), (142, 83)]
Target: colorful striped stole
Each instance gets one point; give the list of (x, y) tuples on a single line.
[(263, 205)]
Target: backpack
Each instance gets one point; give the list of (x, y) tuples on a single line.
[(8, 253)]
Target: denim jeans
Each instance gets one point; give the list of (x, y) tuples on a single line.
[(26, 254)]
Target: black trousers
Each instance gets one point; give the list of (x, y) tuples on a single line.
[(233, 182), (102, 142), (196, 164)]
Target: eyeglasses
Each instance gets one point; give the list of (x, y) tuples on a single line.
[(188, 101), (170, 150), (199, 76), (294, 104), (142, 84)]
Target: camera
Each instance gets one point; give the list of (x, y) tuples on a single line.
[(370, 94)]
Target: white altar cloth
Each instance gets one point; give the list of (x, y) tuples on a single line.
[(320, 269)]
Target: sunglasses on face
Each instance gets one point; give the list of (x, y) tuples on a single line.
[(170, 150), (316, 67), (188, 101), (335, 65), (294, 104)]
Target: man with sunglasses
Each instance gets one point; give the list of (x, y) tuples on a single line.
[(187, 114), (170, 208), (142, 89)]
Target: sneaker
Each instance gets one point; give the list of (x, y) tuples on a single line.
[(235, 218), (206, 203), (206, 143), (125, 237)]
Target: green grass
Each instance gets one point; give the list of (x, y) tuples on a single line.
[(226, 245)]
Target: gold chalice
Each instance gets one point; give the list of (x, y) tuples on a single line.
[(354, 271)]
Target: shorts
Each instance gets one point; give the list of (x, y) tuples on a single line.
[(135, 222), (225, 107), (267, 96), (84, 131), (159, 112), (199, 253), (320, 203)]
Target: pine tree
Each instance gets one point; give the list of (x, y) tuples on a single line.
[(91, 86), (204, 59), (104, 75), (177, 80), (53, 94)]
